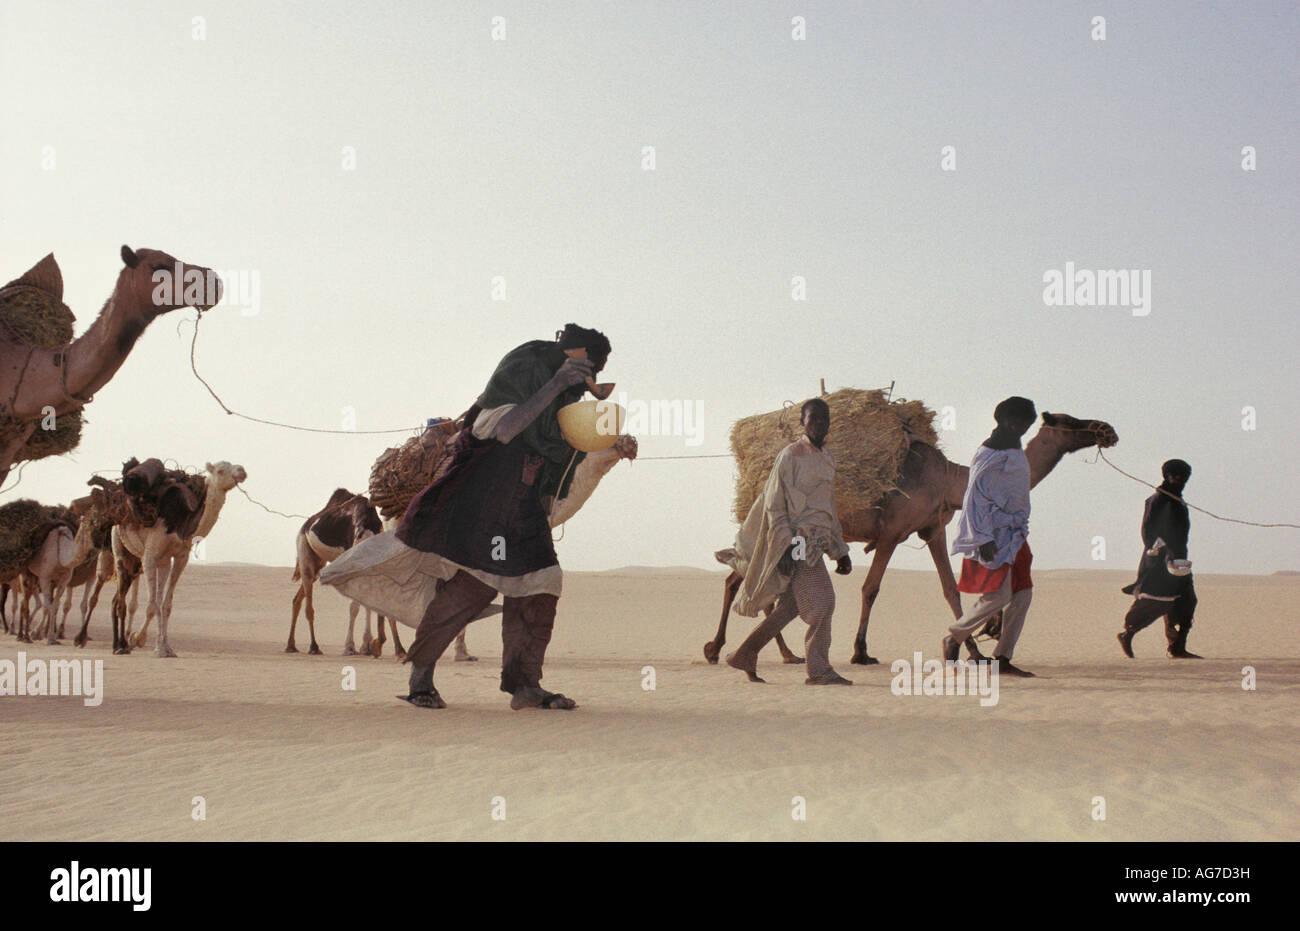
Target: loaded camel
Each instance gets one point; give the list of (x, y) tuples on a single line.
[(161, 548), (59, 376), (400, 473), (59, 553), (346, 520), (932, 489)]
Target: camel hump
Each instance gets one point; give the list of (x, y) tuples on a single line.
[(44, 276)]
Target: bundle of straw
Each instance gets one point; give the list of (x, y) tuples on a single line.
[(37, 316), (64, 438), (18, 520), (402, 472), (868, 439)]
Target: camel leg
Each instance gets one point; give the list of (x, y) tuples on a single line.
[(151, 579), (139, 638), (311, 616), (25, 613), (398, 649), (374, 647), (462, 650), (39, 632), (729, 590), (4, 596), (298, 596), (67, 609), (120, 643), (349, 648), (178, 564), (85, 600), (50, 594), (89, 609), (870, 589)]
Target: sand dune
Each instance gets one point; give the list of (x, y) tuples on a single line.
[(279, 750)]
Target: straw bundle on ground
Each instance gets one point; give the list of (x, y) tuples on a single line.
[(38, 317), (18, 519), (868, 439), (402, 472)]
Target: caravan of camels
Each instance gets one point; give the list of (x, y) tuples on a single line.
[(146, 521)]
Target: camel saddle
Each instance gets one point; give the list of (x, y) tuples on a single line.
[(155, 493)]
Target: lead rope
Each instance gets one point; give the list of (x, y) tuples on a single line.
[(1231, 520)]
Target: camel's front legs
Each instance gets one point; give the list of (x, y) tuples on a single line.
[(729, 590), (939, 552), (121, 644), (50, 595), (25, 613), (178, 564), (150, 580), (88, 609), (398, 650), (349, 647), (67, 609), (870, 589)]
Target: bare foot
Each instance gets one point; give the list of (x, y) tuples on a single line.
[(750, 670)]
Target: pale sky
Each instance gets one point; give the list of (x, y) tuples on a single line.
[(773, 158)]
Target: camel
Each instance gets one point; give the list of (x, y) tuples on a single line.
[(164, 547), (932, 489), (65, 378), (346, 520), (58, 552), (586, 476)]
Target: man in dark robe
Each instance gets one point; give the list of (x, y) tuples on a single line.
[(1164, 583), (484, 521)]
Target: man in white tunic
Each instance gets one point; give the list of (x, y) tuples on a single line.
[(780, 546)]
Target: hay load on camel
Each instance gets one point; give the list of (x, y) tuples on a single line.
[(402, 472), (40, 319), (36, 316), (19, 520), (868, 439)]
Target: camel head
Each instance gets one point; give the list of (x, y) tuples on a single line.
[(153, 279), (224, 475), (1077, 434)]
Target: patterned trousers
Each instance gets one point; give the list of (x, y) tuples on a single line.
[(811, 596)]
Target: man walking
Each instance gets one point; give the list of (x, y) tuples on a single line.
[(992, 536), (1164, 583), (481, 528), (788, 530)]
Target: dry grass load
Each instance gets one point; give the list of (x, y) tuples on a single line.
[(868, 439)]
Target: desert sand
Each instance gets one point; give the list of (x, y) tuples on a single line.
[(278, 750)]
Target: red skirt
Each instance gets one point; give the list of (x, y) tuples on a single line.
[(979, 579)]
